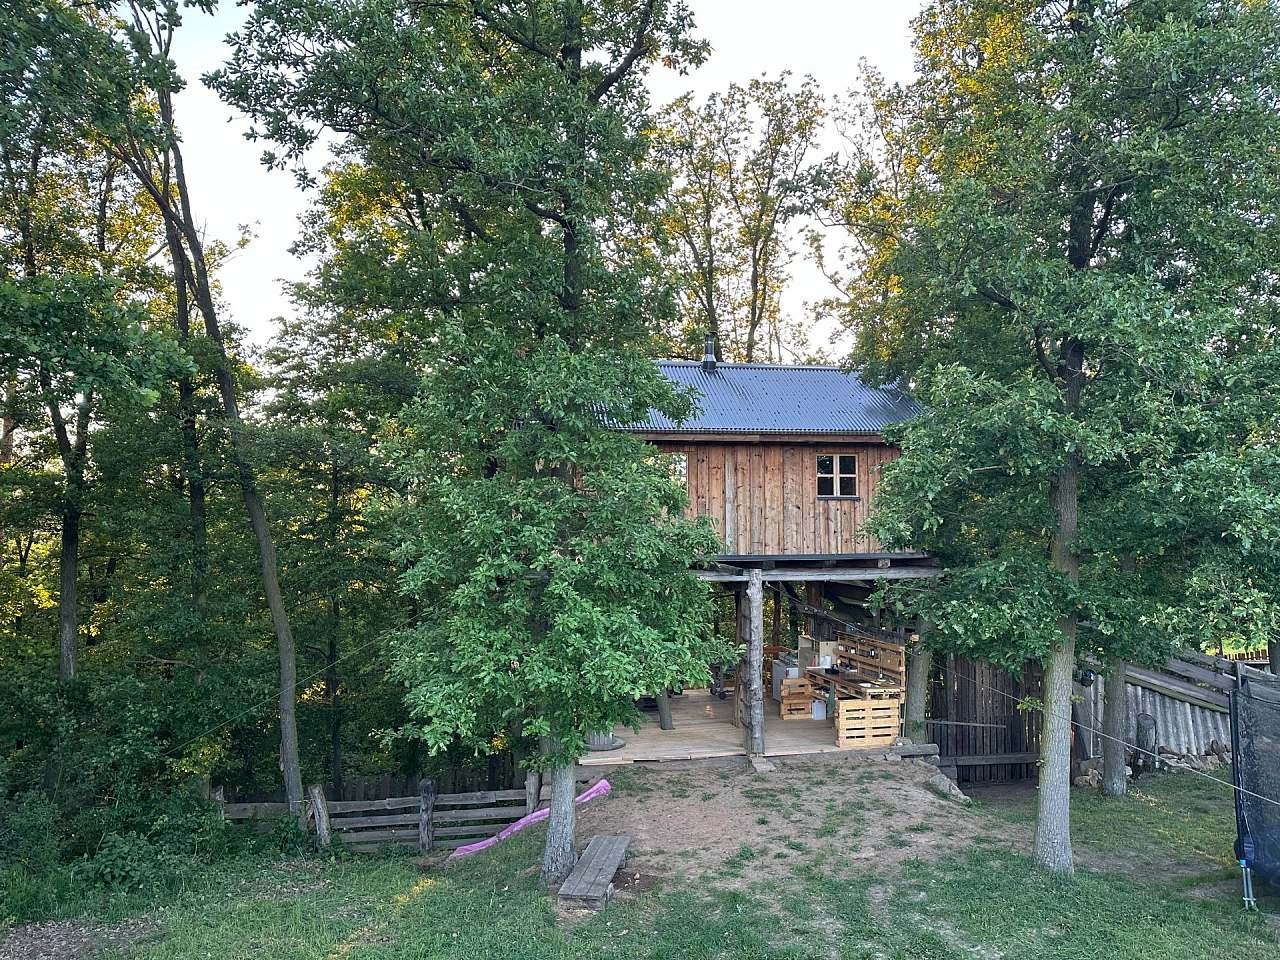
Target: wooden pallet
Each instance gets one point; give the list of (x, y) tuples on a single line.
[(591, 883), (798, 694), (868, 722), (871, 658)]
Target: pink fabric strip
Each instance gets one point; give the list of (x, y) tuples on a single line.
[(601, 789)]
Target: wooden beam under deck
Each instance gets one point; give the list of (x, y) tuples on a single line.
[(821, 574)]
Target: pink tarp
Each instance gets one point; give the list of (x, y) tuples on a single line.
[(601, 789)]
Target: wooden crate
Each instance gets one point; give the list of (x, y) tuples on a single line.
[(798, 694), (874, 721)]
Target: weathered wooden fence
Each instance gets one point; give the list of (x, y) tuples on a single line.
[(974, 719), (498, 772), (427, 820), (973, 713)]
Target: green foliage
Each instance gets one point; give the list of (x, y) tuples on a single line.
[(1067, 228), (545, 554)]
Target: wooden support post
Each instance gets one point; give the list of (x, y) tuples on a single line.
[(320, 812), (919, 666), (426, 830), (664, 710), (532, 791), (755, 661)]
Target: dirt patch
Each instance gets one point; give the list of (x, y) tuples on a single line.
[(71, 940), (690, 820)]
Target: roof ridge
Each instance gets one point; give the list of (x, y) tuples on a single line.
[(762, 366)]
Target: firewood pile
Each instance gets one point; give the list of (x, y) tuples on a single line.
[(1216, 756)]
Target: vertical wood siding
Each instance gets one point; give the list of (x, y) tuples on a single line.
[(763, 497)]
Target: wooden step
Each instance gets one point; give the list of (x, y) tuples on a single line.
[(591, 883)]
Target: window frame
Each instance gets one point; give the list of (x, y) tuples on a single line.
[(836, 475)]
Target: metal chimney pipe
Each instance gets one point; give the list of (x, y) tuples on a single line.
[(709, 354)]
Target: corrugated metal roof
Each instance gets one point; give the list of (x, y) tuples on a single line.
[(774, 398)]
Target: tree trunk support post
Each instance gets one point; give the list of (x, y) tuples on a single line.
[(663, 697), (320, 814), (755, 661), (919, 666), (426, 813)]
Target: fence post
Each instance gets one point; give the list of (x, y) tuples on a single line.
[(426, 831), (320, 811), (532, 791)]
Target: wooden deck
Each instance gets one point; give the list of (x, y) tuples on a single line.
[(703, 729)]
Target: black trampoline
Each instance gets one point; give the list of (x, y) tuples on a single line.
[(1255, 749)]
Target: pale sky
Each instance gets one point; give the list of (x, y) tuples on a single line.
[(230, 187)]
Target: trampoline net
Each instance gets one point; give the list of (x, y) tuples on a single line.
[(1255, 735)]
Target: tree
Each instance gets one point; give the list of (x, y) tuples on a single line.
[(146, 142), (743, 177), (545, 551), (1066, 269)]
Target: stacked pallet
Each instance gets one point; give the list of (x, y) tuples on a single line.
[(871, 720), (795, 695)]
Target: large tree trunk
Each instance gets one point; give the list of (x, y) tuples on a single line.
[(1115, 724), (919, 666), (68, 599), (558, 855), (1052, 848)]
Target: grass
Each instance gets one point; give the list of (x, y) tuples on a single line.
[(988, 902)]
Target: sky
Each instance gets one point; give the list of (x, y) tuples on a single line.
[(230, 187)]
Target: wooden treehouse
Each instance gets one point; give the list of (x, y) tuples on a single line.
[(785, 461)]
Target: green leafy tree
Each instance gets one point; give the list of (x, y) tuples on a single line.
[(744, 175), (1071, 261), (545, 551)]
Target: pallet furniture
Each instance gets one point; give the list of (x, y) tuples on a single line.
[(871, 721), (871, 658), (796, 694), (591, 883)]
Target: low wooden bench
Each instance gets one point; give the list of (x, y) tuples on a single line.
[(591, 883)]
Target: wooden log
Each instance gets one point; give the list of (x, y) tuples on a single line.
[(426, 813), (320, 816), (755, 662)]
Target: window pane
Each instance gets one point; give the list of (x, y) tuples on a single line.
[(825, 464), (846, 486), (849, 464), (825, 487)]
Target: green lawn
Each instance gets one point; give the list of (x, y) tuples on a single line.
[(986, 903)]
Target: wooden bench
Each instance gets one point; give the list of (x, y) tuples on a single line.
[(591, 883)]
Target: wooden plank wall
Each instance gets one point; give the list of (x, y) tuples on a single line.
[(973, 697), (763, 497)]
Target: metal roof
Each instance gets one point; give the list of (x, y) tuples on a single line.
[(775, 398)]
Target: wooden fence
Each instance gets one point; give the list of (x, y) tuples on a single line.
[(427, 820), (498, 772), (974, 719)]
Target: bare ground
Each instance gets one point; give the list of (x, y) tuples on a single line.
[(71, 939), (686, 820)]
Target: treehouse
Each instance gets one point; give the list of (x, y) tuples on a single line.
[(785, 461)]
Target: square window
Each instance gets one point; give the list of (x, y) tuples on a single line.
[(837, 475)]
